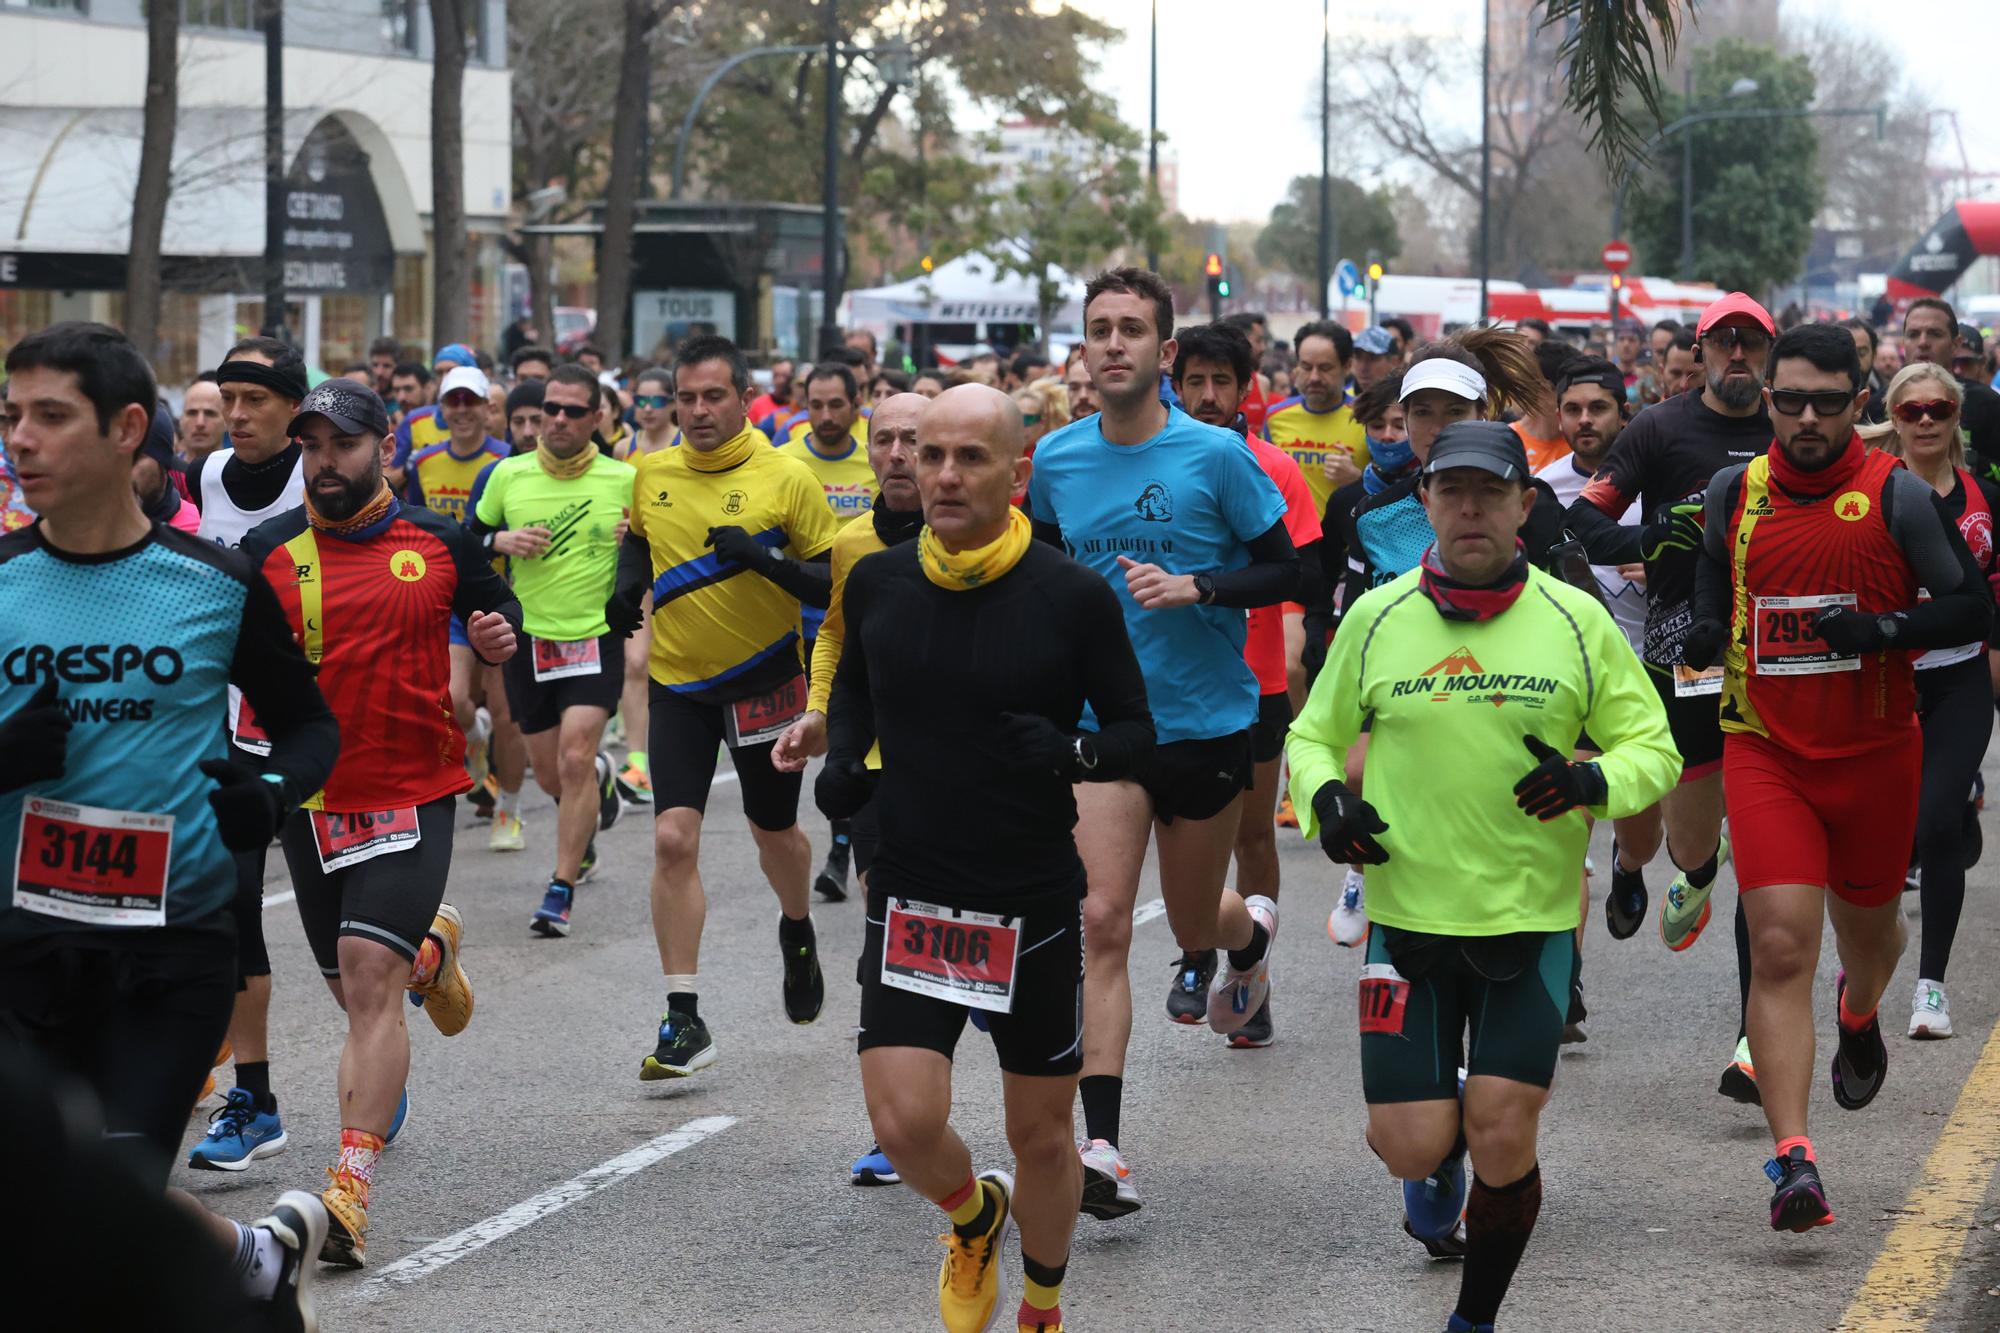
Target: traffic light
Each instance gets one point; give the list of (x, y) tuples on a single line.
[(1213, 266), (1222, 287), (1617, 281), (927, 264), (1374, 274)]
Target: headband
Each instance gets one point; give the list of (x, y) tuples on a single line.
[(289, 381)]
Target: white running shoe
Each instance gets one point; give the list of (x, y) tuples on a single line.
[(1108, 1191), (507, 834), (1348, 926), (1235, 996), (477, 756), (1930, 1016)]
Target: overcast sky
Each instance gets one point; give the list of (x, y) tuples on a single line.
[(1266, 54)]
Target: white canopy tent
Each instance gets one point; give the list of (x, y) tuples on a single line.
[(965, 290)]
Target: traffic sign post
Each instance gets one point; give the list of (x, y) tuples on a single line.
[(1616, 256)]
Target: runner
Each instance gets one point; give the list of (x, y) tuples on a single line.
[(1930, 333), (153, 477), (423, 424), (653, 405), (258, 476), (558, 515), (1144, 479), (1476, 671), (1212, 364), (202, 427), (367, 584), (1814, 557), (118, 960), (1317, 428), (1954, 690), (1664, 461), (725, 670), (996, 731)]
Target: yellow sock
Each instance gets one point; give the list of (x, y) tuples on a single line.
[(1041, 1297), (967, 1208)]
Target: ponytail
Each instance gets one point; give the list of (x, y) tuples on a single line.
[(1514, 381)]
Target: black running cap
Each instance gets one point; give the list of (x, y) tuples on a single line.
[(1491, 445)]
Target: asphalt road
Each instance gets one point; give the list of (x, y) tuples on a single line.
[(541, 1185)]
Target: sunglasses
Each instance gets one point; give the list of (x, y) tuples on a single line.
[(574, 411), (462, 398), (1030, 420), (651, 400), (1937, 409), (1825, 403), (1730, 338)]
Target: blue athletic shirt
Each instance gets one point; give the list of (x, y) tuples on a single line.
[(1189, 500)]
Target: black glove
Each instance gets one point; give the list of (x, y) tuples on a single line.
[(1556, 785), (1313, 655), (1036, 745), (1677, 528), (1347, 826), (247, 808), (843, 787), (35, 740), (733, 543), (1846, 630), (624, 613), (1703, 643)]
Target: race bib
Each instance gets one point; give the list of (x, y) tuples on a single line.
[(1784, 640), (763, 719), (1384, 995), (967, 958), (559, 661), (100, 867), (1692, 684), (243, 728), (348, 840)]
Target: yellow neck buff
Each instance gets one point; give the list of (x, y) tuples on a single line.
[(724, 456), (566, 469), (982, 564)]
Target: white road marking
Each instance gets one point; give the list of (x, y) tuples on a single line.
[(278, 899), (529, 1211), (1148, 910)]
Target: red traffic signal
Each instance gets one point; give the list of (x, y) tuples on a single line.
[(1213, 266)]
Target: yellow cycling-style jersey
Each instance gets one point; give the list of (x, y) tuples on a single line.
[(854, 541), (720, 632), (443, 482), (1311, 437), (848, 481)]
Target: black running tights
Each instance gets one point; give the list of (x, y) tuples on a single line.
[(1955, 704)]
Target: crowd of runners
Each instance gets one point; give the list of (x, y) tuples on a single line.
[(1437, 611)]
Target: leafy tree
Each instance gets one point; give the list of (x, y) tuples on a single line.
[(1610, 54), (1757, 183), (1290, 241)]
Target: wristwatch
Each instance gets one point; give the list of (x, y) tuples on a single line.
[(1086, 754), (1204, 589), (1889, 626)]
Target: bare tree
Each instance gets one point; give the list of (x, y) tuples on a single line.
[(143, 276), (451, 270), (628, 169)]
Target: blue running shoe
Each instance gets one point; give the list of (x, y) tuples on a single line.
[(238, 1134), (873, 1168), (552, 917), (396, 1125), (1432, 1206), (1458, 1323)]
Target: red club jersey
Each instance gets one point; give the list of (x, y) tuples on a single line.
[(1264, 646)]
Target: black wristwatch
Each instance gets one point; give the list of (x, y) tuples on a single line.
[(1204, 589), (1889, 626)]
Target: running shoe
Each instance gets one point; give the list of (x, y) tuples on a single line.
[(635, 786), (972, 1281), (1286, 816), (1235, 994), (1687, 909), (831, 885), (1625, 905), (1448, 1246), (1799, 1201), (552, 917), (1031, 1320), (1348, 926), (1258, 1032), (1573, 1023), (1187, 997), (1913, 878), (346, 1244), (1860, 1061), (238, 1134), (805, 986), (1108, 1190), (609, 807), (507, 834), (1930, 1014), (298, 1222), (873, 1168), (1458, 1323), (685, 1048), (402, 1118), (477, 747), (448, 995), (588, 865), (1739, 1078), (1434, 1207), (483, 796)]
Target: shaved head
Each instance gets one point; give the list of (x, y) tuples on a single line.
[(983, 409), (892, 449), (897, 411), (971, 463)]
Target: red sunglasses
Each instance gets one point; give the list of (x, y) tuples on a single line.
[(1937, 409)]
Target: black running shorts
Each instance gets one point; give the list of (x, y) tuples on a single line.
[(684, 736), (1198, 779), (1267, 733), (1421, 995), (391, 899), (1041, 1036), (252, 958), (537, 705), (1696, 723)]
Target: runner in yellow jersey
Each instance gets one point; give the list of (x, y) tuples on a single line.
[(1316, 427), (653, 407)]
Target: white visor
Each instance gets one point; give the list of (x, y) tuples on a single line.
[(1440, 373)]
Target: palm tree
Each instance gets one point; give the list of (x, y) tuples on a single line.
[(1612, 48)]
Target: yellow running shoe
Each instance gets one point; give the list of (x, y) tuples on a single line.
[(448, 996), (506, 834), (347, 1224), (972, 1283)]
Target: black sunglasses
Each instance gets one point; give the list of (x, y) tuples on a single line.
[(1826, 403), (1731, 337), (574, 411)]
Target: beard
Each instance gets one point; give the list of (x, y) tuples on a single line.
[(1735, 392), (347, 501)]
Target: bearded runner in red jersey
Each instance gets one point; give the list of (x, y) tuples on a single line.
[(1813, 557), (1213, 369), (369, 585)]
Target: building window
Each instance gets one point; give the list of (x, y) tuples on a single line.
[(235, 15), (400, 25)]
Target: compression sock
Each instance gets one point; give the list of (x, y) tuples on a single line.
[(1498, 1222), (1101, 1095), (259, 1256), (254, 1077), (1851, 1021), (972, 1208), (508, 802), (1041, 1296), (681, 995), (1703, 875), (1796, 1141), (637, 758), (430, 956), (1742, 971), (359, 1151), (1248, 956)]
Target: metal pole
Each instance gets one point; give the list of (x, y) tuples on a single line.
[(273, 23), (1152, 141), (701, 96), (1686, 270), (1325, 157), (830, 247), (1485, 151)]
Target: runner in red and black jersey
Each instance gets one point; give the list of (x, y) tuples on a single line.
[(369, 586), (1816, 558)]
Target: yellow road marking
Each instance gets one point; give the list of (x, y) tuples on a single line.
[(1929, 1237)]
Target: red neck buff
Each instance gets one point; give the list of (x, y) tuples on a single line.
[(1462, 601), (1825, 481)]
